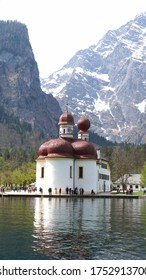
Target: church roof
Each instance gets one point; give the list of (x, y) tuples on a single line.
[(83, 124), (59, 147), (66, 118), (84, 149), (66, 147)]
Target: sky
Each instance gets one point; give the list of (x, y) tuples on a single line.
[(59, 28)]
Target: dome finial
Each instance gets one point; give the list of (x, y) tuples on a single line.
[(84, 112), (66, 106)]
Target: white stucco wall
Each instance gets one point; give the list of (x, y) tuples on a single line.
[(40, 182), (89, 180), (56, 174), (103, 184)]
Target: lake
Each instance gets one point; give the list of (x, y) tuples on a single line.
[(35, 228)]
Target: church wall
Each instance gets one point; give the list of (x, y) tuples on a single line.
[(104, 179), (89, 180), (57, 174), (40, 182)]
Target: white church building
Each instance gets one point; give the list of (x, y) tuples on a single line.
[(67, 164)]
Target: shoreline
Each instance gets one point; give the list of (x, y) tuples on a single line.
[(98, 195)]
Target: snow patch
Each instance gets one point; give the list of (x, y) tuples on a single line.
[(141, 106), (101, 105), (103, 77), (80, 70), (107, 88), (56, 91)]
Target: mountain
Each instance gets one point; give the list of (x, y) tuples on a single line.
[(108, 80), (27, 114)]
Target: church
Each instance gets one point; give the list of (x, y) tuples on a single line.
[(68, 164)]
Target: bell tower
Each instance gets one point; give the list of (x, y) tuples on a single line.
[(66, 125), (83, 126)]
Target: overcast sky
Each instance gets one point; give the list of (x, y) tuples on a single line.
[(59, 28)]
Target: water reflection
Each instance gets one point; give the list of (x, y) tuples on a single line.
[(16, 226), (90, 229), (65, 228), (72, 228)]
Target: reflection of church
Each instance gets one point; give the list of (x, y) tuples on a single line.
[(60, 227), (71, 163)]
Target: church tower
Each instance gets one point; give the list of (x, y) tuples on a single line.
[(83, 126), (66, 125)]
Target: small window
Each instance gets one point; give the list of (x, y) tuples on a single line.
[(104, 165), (80, 172), (42, 172), (70, 171), (103, 176)]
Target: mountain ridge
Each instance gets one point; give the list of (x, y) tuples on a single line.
[(108, 79), (27, 112)]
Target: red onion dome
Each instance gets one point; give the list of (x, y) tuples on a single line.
[(83, 123), (66, 118), (56, 148), (84, 149), (42, 152)]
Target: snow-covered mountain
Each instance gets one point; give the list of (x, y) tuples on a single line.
[(108, 81)]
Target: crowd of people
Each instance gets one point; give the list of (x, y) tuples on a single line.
[(30, 189), (68, 191)]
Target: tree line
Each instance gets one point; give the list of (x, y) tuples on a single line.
[(127, 159), (18, 166)]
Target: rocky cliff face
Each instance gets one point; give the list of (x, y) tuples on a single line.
[(21, 97), (109, 81)]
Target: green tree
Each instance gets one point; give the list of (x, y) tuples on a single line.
[(4, 166), (25, 174), (7, 178), (18, 177), (121, 166), (143, 175), (29, 171)]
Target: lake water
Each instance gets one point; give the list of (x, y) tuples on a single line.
[(72, 228)]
